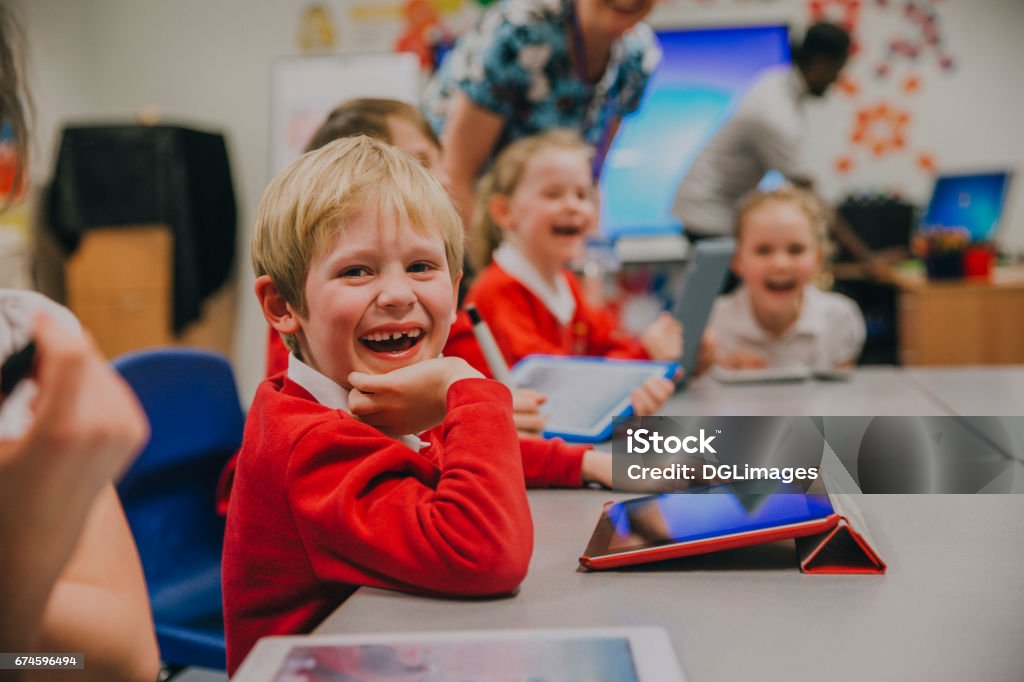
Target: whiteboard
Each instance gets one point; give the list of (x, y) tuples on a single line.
[(303, 90)]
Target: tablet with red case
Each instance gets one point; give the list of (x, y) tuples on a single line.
[(675, 525)]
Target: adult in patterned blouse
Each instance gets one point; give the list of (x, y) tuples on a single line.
[(531, 65)]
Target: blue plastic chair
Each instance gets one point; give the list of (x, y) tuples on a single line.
[(169, 493)]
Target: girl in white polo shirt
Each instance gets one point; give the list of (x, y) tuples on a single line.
[(778, 318)]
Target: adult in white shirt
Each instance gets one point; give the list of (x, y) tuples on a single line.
[(766, 133)]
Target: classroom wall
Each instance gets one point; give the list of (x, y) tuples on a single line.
[(962, 118), (205, 64), (208, 64)]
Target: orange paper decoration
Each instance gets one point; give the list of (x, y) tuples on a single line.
[(926, 162), (911, 84), (881, 128)]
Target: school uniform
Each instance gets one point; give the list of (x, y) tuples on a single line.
[(461, 343), (527, 315), (828, 332), (323, 503)]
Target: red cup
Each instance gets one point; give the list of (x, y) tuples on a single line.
[(978, 261)]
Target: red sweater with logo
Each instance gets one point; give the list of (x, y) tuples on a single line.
[(322, 503), (522, 324)]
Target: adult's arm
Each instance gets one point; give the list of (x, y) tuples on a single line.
[(469, 136), (99, 604), (779, 146)]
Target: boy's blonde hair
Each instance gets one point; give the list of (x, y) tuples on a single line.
[(804, 199), (502, 179), (311, 202)]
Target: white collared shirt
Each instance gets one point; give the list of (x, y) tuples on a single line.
[(766, 132), (559, 300), (829, 331), (329, 394)]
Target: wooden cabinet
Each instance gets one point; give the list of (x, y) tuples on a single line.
[(962, 322), (120, 285)]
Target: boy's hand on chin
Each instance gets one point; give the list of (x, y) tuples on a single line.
[(411, 399)]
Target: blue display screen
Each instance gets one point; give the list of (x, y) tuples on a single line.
[(974, 202), (703, 74), (685, 517)]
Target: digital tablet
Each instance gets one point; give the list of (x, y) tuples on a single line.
[(629, 654), (761, 375), (834, 374), (703, 280), (585, 394), (674, 525)]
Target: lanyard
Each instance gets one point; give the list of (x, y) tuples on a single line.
[(579, 50)]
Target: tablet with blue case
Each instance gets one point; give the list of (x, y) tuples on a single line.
[(585, 394)]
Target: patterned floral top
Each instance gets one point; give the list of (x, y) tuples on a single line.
[(517, 62)]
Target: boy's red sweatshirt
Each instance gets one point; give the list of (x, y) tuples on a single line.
[(323, 503)]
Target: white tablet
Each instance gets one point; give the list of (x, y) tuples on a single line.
[(636, 654), (585, 394), (761, 375)]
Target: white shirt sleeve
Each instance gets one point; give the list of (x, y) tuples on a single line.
[(779, 146)]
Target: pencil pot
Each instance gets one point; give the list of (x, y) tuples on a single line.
[(946, 265)]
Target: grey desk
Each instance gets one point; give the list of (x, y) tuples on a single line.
[(951, 606), (974, 390), (871, 391)]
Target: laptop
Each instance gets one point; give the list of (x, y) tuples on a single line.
[(974, 201)]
